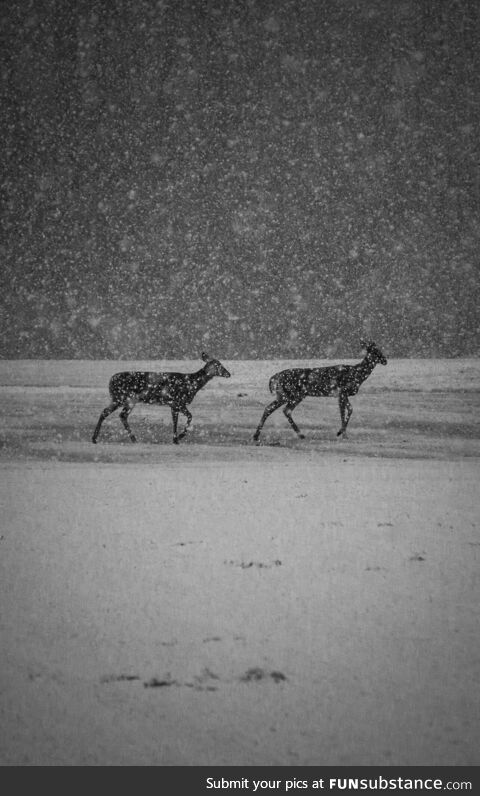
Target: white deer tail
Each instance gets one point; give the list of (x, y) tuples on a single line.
[(273, 384)]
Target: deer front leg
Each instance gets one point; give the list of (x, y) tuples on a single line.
[(124, 418), (268, 411), (175, 424), (288, 414), (107, 411), (189, 417), (345, 413)]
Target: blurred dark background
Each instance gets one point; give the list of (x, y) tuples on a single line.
[(258, 178)]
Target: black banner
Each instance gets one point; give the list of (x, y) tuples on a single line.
[(204, 780)]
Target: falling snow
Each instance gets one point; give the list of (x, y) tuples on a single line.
[(272, 179)]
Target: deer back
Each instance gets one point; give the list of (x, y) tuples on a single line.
[(296, 383), (129, 384), (155, 388)]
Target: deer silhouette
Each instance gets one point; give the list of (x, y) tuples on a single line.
[(292, 386), (173, 389)]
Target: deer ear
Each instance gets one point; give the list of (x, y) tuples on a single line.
[(205, 357)]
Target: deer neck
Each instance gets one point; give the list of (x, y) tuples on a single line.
[(200, 378), (366, 366)]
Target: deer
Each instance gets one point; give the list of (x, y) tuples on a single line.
[(172, 389), (293, 385)]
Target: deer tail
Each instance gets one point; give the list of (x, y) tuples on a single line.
[(273, 384)]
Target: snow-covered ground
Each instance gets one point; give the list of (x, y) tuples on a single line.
[(298, 602)]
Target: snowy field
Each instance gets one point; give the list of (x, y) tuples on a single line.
[(218, 602)]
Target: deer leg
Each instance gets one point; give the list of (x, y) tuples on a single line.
[(107, 411), (276, 404), (288, 414), (189, 417), (345, 413), (124, 418), (175, 424)]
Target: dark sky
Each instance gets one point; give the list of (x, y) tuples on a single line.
[(261, 178)]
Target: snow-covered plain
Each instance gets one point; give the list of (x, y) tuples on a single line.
[(298, 602)]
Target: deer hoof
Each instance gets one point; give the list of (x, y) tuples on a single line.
[(134, 439), (302, 436)]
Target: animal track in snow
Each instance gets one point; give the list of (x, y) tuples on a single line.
[(119, 678), (205, 681), (256, 674), (258, 564)]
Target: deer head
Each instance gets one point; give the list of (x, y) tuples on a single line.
[(373, 351), (213, 367)]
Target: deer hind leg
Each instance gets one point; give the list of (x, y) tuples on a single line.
[(106, 412), (276, 404), (345, 413), (127, 408), (188, 426), (288, 414), (175, 424)]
